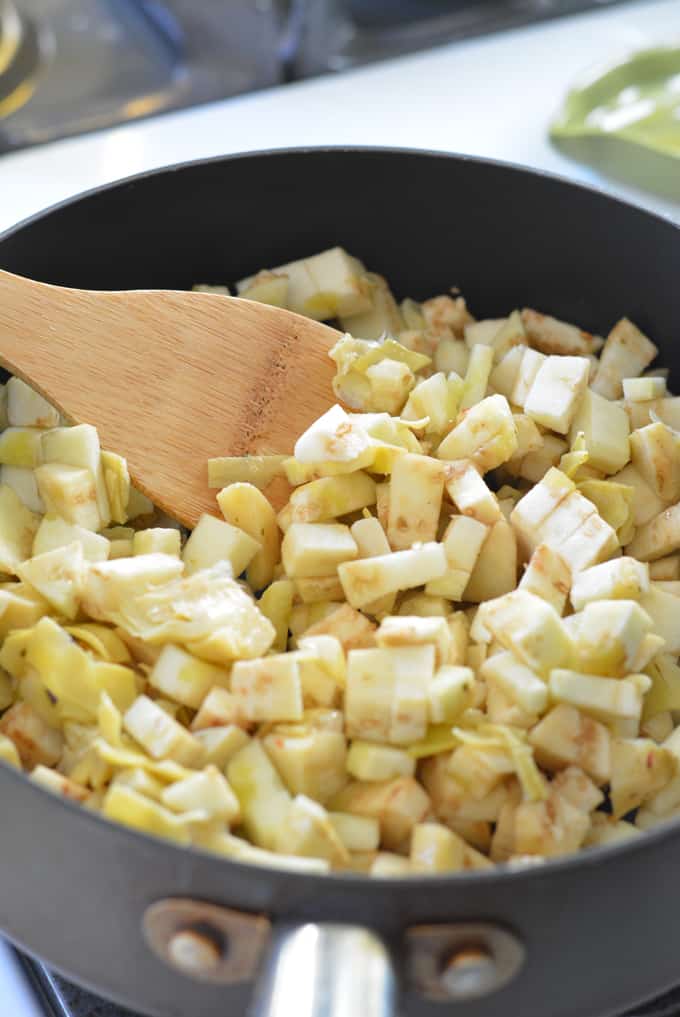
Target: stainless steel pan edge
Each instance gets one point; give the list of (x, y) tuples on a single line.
[(598, 930)]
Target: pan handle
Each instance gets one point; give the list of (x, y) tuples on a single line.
[(325, 970)]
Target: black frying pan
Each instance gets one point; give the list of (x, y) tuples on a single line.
[(581, 937)]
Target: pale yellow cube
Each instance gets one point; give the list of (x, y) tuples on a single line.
[(21, 446), (221, 743), (607, 699), (357, 833), (416, 490), (213, 540), (69, 492), (78, 446), (487, 435), (268, 689), (58, 576), (386, 694), (470, 493), (566, 736), (609, 636), (316, 549), (530, 364), (366, 580), (160, 735), (434, 848), (262, 796), (25, 408), (414, 630), (157, 539), (450, 692), (530, 628), (519, 683), (306, 830), (54, 532), (185, 678), (463, 540), (208, 791), (627, 352), (311, 761), (547, 576), (620, 579), (606, 430), (640, 768), (368, 761)]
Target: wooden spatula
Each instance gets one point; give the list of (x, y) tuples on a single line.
[(169, 379)]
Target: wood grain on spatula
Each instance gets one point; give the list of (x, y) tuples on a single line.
[(169, 379)]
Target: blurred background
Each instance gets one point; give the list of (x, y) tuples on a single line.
[(68, 66)]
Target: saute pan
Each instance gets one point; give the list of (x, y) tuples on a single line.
[(174, 933)]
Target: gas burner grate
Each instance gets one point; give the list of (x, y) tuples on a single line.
[(62, 999)]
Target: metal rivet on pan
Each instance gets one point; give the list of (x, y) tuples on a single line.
[(462, 960), (205, 941), (195, 950), (469, 972)]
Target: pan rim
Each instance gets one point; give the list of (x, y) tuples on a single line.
[(501, 874)]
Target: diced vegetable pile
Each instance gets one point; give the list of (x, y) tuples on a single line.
[(452, 642)]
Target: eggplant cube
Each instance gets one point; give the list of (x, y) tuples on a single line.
[(213, 540), (607, 699), (208, 791), (263, 799), (79, 447), (547, 576), (640, 768), (386, 695), (368, 761), (307, 831), (530, 628), (316, 549), (609, 636), (656, 456), (567, 737), (268, 689), (54, 532), (25, 408), (606, 430), (157, 540), (556, 392), (58, 576), (310, 761), (620, 579), (434, 848), (184, 678), (486, 434), (160, 735), (416, 490), (70, 492), (21, 446), (519, 683), (368, 579), (470, 494), (450, 692)]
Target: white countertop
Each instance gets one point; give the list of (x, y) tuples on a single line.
[(447, 98)]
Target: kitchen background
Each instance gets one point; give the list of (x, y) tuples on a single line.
[(82, 83)]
